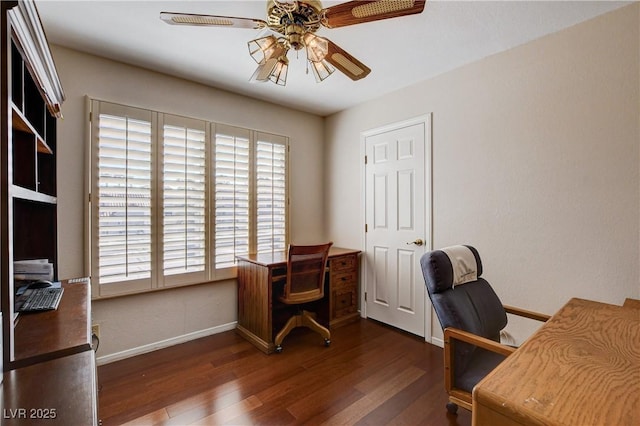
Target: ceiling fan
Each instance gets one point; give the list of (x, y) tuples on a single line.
[(294, 23)]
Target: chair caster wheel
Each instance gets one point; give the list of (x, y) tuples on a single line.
[(327, 342), (452, 408), (278, 349)]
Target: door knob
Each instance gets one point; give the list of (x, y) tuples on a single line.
[(417, 242)]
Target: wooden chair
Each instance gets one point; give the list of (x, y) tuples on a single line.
[(306, 270), (471, 316)]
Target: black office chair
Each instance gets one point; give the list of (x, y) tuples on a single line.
[(306, 267), (471, 316)]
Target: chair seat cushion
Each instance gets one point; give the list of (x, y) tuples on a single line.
[(480, 363)]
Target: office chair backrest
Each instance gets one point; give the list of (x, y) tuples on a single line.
[(306, 266), (471, 306)]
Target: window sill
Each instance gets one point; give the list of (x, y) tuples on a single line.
[(97, 296)]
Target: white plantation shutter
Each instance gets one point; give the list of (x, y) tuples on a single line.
[(174, 200), (123, 196), (232, 188), (183, 196), (271, 192)]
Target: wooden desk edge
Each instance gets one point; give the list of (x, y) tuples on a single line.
[(28, 350), (631, 303), (280, 257), (491, 409)]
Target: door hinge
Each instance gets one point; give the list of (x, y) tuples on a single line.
[(366, 228), (90, 117), (89, 197), (365, 159), (365, 296)]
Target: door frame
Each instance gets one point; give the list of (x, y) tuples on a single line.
[(426, 120)]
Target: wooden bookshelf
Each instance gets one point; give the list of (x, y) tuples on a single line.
[(31, 98), (48, 363), (21, 124)]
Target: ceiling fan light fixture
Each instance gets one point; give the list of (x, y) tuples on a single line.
[(263, 48), (271, 55), (273, 69), (279, 73), (317, 47), (321, 70)]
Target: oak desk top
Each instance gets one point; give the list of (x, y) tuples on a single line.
[(582, 367), (277, 258)]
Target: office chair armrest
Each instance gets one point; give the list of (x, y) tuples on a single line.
[(474, 339), (450, 336), (527, 314)]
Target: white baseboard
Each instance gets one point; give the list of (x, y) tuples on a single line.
[(437, 341), (106, 359)]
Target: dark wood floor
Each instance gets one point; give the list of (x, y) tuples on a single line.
[(370, 375)]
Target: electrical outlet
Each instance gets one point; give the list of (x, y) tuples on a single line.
[(95, 330)]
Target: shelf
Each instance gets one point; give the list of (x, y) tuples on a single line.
[(21, 124), (28, 194)]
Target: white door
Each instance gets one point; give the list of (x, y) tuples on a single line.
[(397, 230)]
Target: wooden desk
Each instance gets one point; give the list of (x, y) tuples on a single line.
[(257, 320), (53, 377), (42, 336), (57, 392), (582, 367)]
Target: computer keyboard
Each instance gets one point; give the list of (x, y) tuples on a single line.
[(42, 299)]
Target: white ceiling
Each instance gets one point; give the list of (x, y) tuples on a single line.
[(400, 51)]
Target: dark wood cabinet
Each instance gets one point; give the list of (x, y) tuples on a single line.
[(31, 100), (48, 363)]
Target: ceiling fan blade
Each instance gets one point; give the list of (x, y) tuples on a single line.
[(350, 66), (211, 20), (358, 12)]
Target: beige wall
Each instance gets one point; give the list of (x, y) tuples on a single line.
[(132, 322), (535, 162)]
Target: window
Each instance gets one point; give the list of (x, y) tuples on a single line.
[(271, 194), (183, 195), (175, 199), (231, 172)]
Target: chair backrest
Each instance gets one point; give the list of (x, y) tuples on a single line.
[(306, 266), (472, 306)]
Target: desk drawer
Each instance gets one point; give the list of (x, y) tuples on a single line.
[(343, 302), (342, 263), (344, 278)]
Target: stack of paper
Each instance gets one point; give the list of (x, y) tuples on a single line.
[(33, 270)]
